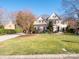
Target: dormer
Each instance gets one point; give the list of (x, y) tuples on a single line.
[(40, 20)]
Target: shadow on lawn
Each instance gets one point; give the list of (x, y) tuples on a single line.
[(70, 41)]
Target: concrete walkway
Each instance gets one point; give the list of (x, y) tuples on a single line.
[(9, 36), (56, 56)]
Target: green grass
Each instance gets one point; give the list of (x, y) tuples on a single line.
[(40, 44)]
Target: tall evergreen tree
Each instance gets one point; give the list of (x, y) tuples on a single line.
[(50, 27)]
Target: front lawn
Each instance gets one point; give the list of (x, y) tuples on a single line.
[(40, 44)]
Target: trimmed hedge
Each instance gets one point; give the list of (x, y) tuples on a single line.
[(7, 31), (10, 31)]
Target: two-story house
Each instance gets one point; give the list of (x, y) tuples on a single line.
[(41, 24)]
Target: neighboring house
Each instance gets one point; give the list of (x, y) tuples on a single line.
[(9, 25), (40, 24)]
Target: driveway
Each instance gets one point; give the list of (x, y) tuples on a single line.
[(10, 36)]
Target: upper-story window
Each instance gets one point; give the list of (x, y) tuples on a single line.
[(39, 21), (57, 21), (42, 21), (54, 16)]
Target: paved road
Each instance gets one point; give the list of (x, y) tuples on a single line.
[(58, 56), (9, 36)]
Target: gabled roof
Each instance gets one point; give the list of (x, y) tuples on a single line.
[(40, 21), (53, 16)]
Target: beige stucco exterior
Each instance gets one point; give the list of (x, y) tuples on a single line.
[(10, 25)]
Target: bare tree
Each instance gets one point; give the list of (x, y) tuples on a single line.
[(71, 6), (25, 19)]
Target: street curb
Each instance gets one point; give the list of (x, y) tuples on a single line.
[(51, 56)]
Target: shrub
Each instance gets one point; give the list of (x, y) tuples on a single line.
[(2, 31), (18, 30), (9, 31), (71, 30), (1, 26)]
